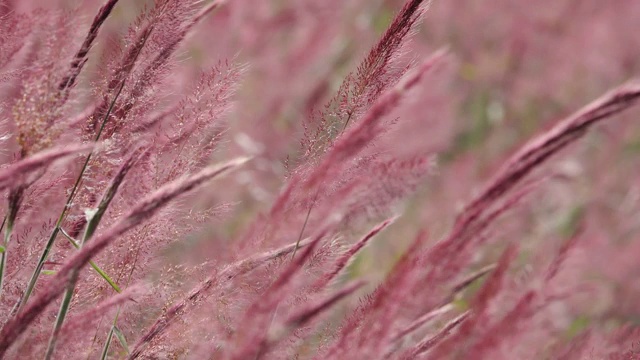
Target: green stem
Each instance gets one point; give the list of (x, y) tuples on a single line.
[(64, 307), (3, 251), (315, 198), (3, 254), (15, 198)]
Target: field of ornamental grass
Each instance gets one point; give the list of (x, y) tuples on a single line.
[(320, 179)]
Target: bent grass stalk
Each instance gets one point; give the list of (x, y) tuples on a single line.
[(74, 189), (119, 335), (95, 266)]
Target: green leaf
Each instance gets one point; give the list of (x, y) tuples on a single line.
[(571, 222), (121, 338), (105, 276), (579, 324), (461, 304), (95, 267)]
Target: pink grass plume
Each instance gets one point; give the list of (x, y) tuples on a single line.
[(344, 259), (10, 174), (229, 273)]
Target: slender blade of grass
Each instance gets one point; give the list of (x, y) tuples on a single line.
[(121, 339), (113, 331)]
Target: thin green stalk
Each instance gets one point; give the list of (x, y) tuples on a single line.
[(74, 189), (15, 199), (105, 349), (3, 254), (346, 123), (64, 307), (3, 262), (315, 198)]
